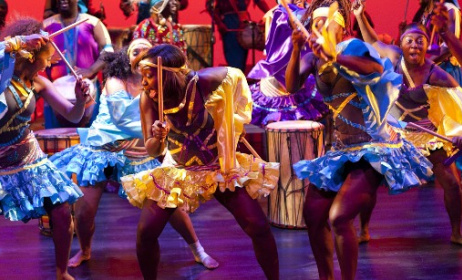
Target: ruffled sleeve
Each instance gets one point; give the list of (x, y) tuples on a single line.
[(6, 73), (445, 110), (124, 112), (230, 107), (379, 91)]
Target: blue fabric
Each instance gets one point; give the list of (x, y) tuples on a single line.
[(401, 164), (88, 163), (6, 73), (118, 119), (22, 194), (453, 70)]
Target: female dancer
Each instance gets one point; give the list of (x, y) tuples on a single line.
[(205, 112), (30, 185), (427, 97), (272, 102), (111, 145), (359, 88)]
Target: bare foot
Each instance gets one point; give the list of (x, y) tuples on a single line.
[(456, 240), (65, 276), (208, 262), (364, 237), (78, 259)]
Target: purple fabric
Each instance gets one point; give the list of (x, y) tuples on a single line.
[(305, 104), (278, 47), (87, 50)]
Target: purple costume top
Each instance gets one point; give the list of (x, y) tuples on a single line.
[(271, 100), (82, 50)]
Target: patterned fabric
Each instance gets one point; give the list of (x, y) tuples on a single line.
[(29, 180), (160, 33)]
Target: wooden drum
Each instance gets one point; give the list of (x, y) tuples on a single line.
[(288, 143), (198, 38)]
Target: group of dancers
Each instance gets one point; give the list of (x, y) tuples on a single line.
[(169, 134)]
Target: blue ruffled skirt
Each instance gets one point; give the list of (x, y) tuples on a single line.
[(24, 187), (401, 164), (88, 163)]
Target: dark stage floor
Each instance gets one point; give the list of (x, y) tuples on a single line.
[(410, 240)]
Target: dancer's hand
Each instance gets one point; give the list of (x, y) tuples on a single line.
[(33, 42), (86, 73), (298, 39), (440, 18), (160, 130), (358, 7), (82, 91)]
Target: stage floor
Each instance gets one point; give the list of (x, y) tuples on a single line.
[(410, 240)]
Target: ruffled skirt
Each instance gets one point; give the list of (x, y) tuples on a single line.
[(88, 163), (23, 187), (172, 186), (305, 104), (401, 164)]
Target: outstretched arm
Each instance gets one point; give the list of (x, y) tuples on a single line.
[(370, 36)]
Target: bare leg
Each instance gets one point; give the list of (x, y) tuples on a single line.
[(62, 230), (252, 220), (356, 193), (365, 218), (316, 214), (181, 222), (452, 193), (152, 222), (85, 212)]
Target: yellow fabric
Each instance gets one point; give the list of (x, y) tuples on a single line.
[(173, 187), (230, 106), (445, 110)]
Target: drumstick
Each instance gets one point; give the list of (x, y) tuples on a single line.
[(160, 90), (429, 131), (250, 148), (67, 28), (434, 30), (295, 20), (65, 60)]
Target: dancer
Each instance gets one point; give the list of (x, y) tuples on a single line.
[(205, 112), (30, 185), (272, 102), (439, 52), (428, 97), (111, 145), (359, 88)]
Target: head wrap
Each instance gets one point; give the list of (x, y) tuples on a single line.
[(145, 63), (324, 12), (414, 31), (138, 41)]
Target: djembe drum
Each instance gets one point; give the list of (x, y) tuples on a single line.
[(52, 141), (288, 143), (198, 38)]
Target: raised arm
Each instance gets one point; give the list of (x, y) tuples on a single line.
[(370, 36), (441, 20), (299, 68)]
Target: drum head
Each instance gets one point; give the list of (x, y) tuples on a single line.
[(66, 87), (299, 125)]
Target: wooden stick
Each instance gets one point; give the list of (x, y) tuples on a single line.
[(433, 31), (250, 148), (65, 60), (295, 20), (405, 11), (67, 28), (429, 131), (160, 90)]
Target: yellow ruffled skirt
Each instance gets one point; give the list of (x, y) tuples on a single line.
[(172, 186)]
